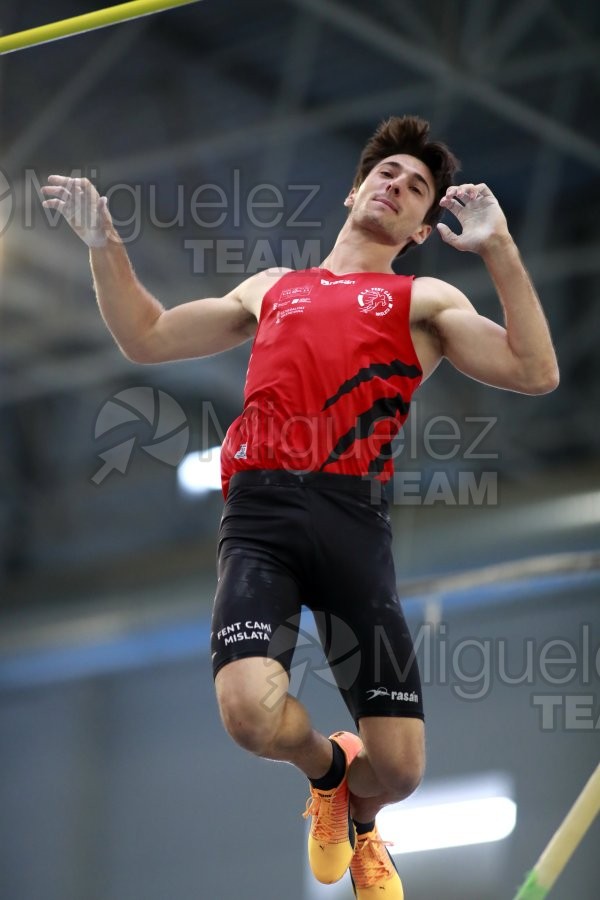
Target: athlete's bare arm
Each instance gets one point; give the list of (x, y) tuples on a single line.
[(144, 330), (518, 357), (200, 327), (148, 333)]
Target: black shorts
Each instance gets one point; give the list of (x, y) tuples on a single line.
[(321, 541)]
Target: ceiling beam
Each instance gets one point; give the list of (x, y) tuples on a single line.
[(544, 185), (51, 116), (290, 128), (517, 21), (365, 30)]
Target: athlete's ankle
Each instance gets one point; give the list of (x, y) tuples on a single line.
[(363, 827), (364, 809), (335, 774)]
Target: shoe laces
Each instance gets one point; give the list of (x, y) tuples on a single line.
[(330, 814), (371, 863)]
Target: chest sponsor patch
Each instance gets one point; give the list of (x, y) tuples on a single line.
[(292, 301)]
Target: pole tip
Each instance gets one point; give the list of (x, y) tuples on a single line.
[(531, 889)]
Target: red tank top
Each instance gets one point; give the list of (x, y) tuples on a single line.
[(330, 377)]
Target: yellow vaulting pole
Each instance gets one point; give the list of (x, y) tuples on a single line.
[(55, 31), (562, 846)]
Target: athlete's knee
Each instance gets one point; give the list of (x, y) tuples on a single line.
[(248, 723), (396, 751), (401, 776), (247, 715)]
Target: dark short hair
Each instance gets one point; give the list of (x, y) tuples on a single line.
[(410, 135)]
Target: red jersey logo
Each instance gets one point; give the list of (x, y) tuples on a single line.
[(377, 300)]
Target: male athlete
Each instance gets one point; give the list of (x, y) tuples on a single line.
[(338, 352)]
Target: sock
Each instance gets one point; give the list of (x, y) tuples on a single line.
[(334, 777), (364, 827)]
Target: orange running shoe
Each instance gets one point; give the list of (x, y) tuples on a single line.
[(332, 836), (372, 870)]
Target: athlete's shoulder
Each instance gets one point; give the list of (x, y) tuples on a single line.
[(436, 294), (269, 276), (256, 286)]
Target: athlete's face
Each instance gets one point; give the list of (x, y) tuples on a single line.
[(393, 200)]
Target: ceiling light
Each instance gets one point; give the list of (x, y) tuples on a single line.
[(198, 473)]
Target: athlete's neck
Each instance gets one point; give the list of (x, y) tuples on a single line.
[(354, 252)]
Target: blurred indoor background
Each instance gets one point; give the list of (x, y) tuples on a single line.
[(226, 136)]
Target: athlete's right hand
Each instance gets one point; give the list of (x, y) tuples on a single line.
[(82, 206)]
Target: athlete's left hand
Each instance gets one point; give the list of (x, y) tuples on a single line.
[(483, 222)]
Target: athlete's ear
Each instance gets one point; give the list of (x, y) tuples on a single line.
[(349, 201), (421, 234)]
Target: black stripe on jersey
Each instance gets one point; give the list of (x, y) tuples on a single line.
[(375, 370), (382, 408), (377, 464)]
